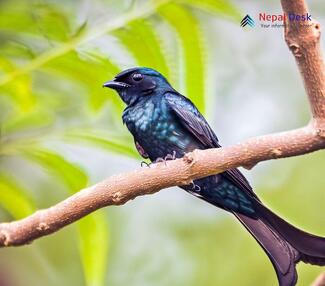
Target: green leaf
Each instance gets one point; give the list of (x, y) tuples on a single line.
[(140, 39), (80, 30), (73, 177), (187, 28), (219, 7), (13, 198), (93, 245), (108, 142), (35, 18), (26, 121), (111, 25), (93, 229), (21, 90), (13, 48), (90, 71)]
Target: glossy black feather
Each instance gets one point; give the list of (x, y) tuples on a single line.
[(195, 123)]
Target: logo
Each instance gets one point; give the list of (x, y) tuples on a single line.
[(265, 20), (247, 20), (283, 17)]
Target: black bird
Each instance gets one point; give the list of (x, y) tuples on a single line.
[(164, 124)]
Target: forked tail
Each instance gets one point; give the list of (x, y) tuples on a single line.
[(284, 244)]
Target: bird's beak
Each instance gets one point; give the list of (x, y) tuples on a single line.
[(113, 84)]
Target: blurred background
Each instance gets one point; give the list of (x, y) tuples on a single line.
[(61, 131)]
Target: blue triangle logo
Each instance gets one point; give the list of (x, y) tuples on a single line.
[(247, 20)]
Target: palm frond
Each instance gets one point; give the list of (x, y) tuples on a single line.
[(188, 32), (13, 197), (71, 175), (104, 141), (222, 8), (93, 247), (140, 38), (146, 10)]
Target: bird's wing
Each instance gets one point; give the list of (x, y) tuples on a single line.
[(195, 123), (192, 119)]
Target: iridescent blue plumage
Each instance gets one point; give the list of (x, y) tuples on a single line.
[(157, 127), (163, 122)]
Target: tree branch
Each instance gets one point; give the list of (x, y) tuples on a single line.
[(303, 39), (118, 189), (320, 280), (304, 43), (121, 188)]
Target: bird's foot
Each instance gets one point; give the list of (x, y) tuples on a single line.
[(160, 160), (144, 163), (195, 188), (195, 191), (168, 157), (171, 156)]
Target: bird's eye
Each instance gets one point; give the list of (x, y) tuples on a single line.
[(137, 77)]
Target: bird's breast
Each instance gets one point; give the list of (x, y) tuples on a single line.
[(140, 119), (153, 125)]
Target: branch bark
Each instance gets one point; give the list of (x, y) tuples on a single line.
[(121, 188), (303, 41), (320, 280), (118, 189)]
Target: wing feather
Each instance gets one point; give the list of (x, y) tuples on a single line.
[(195, 123)]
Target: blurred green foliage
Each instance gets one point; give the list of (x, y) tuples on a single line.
[(52, 67), (54, 58)]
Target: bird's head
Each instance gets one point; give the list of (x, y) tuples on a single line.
[(138, 82)]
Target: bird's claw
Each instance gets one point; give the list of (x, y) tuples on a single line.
[(171, 156), (195, 188), (167, 158), (160, 160), (144, 163)]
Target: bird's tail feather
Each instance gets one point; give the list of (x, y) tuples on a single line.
[(284, 244)]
